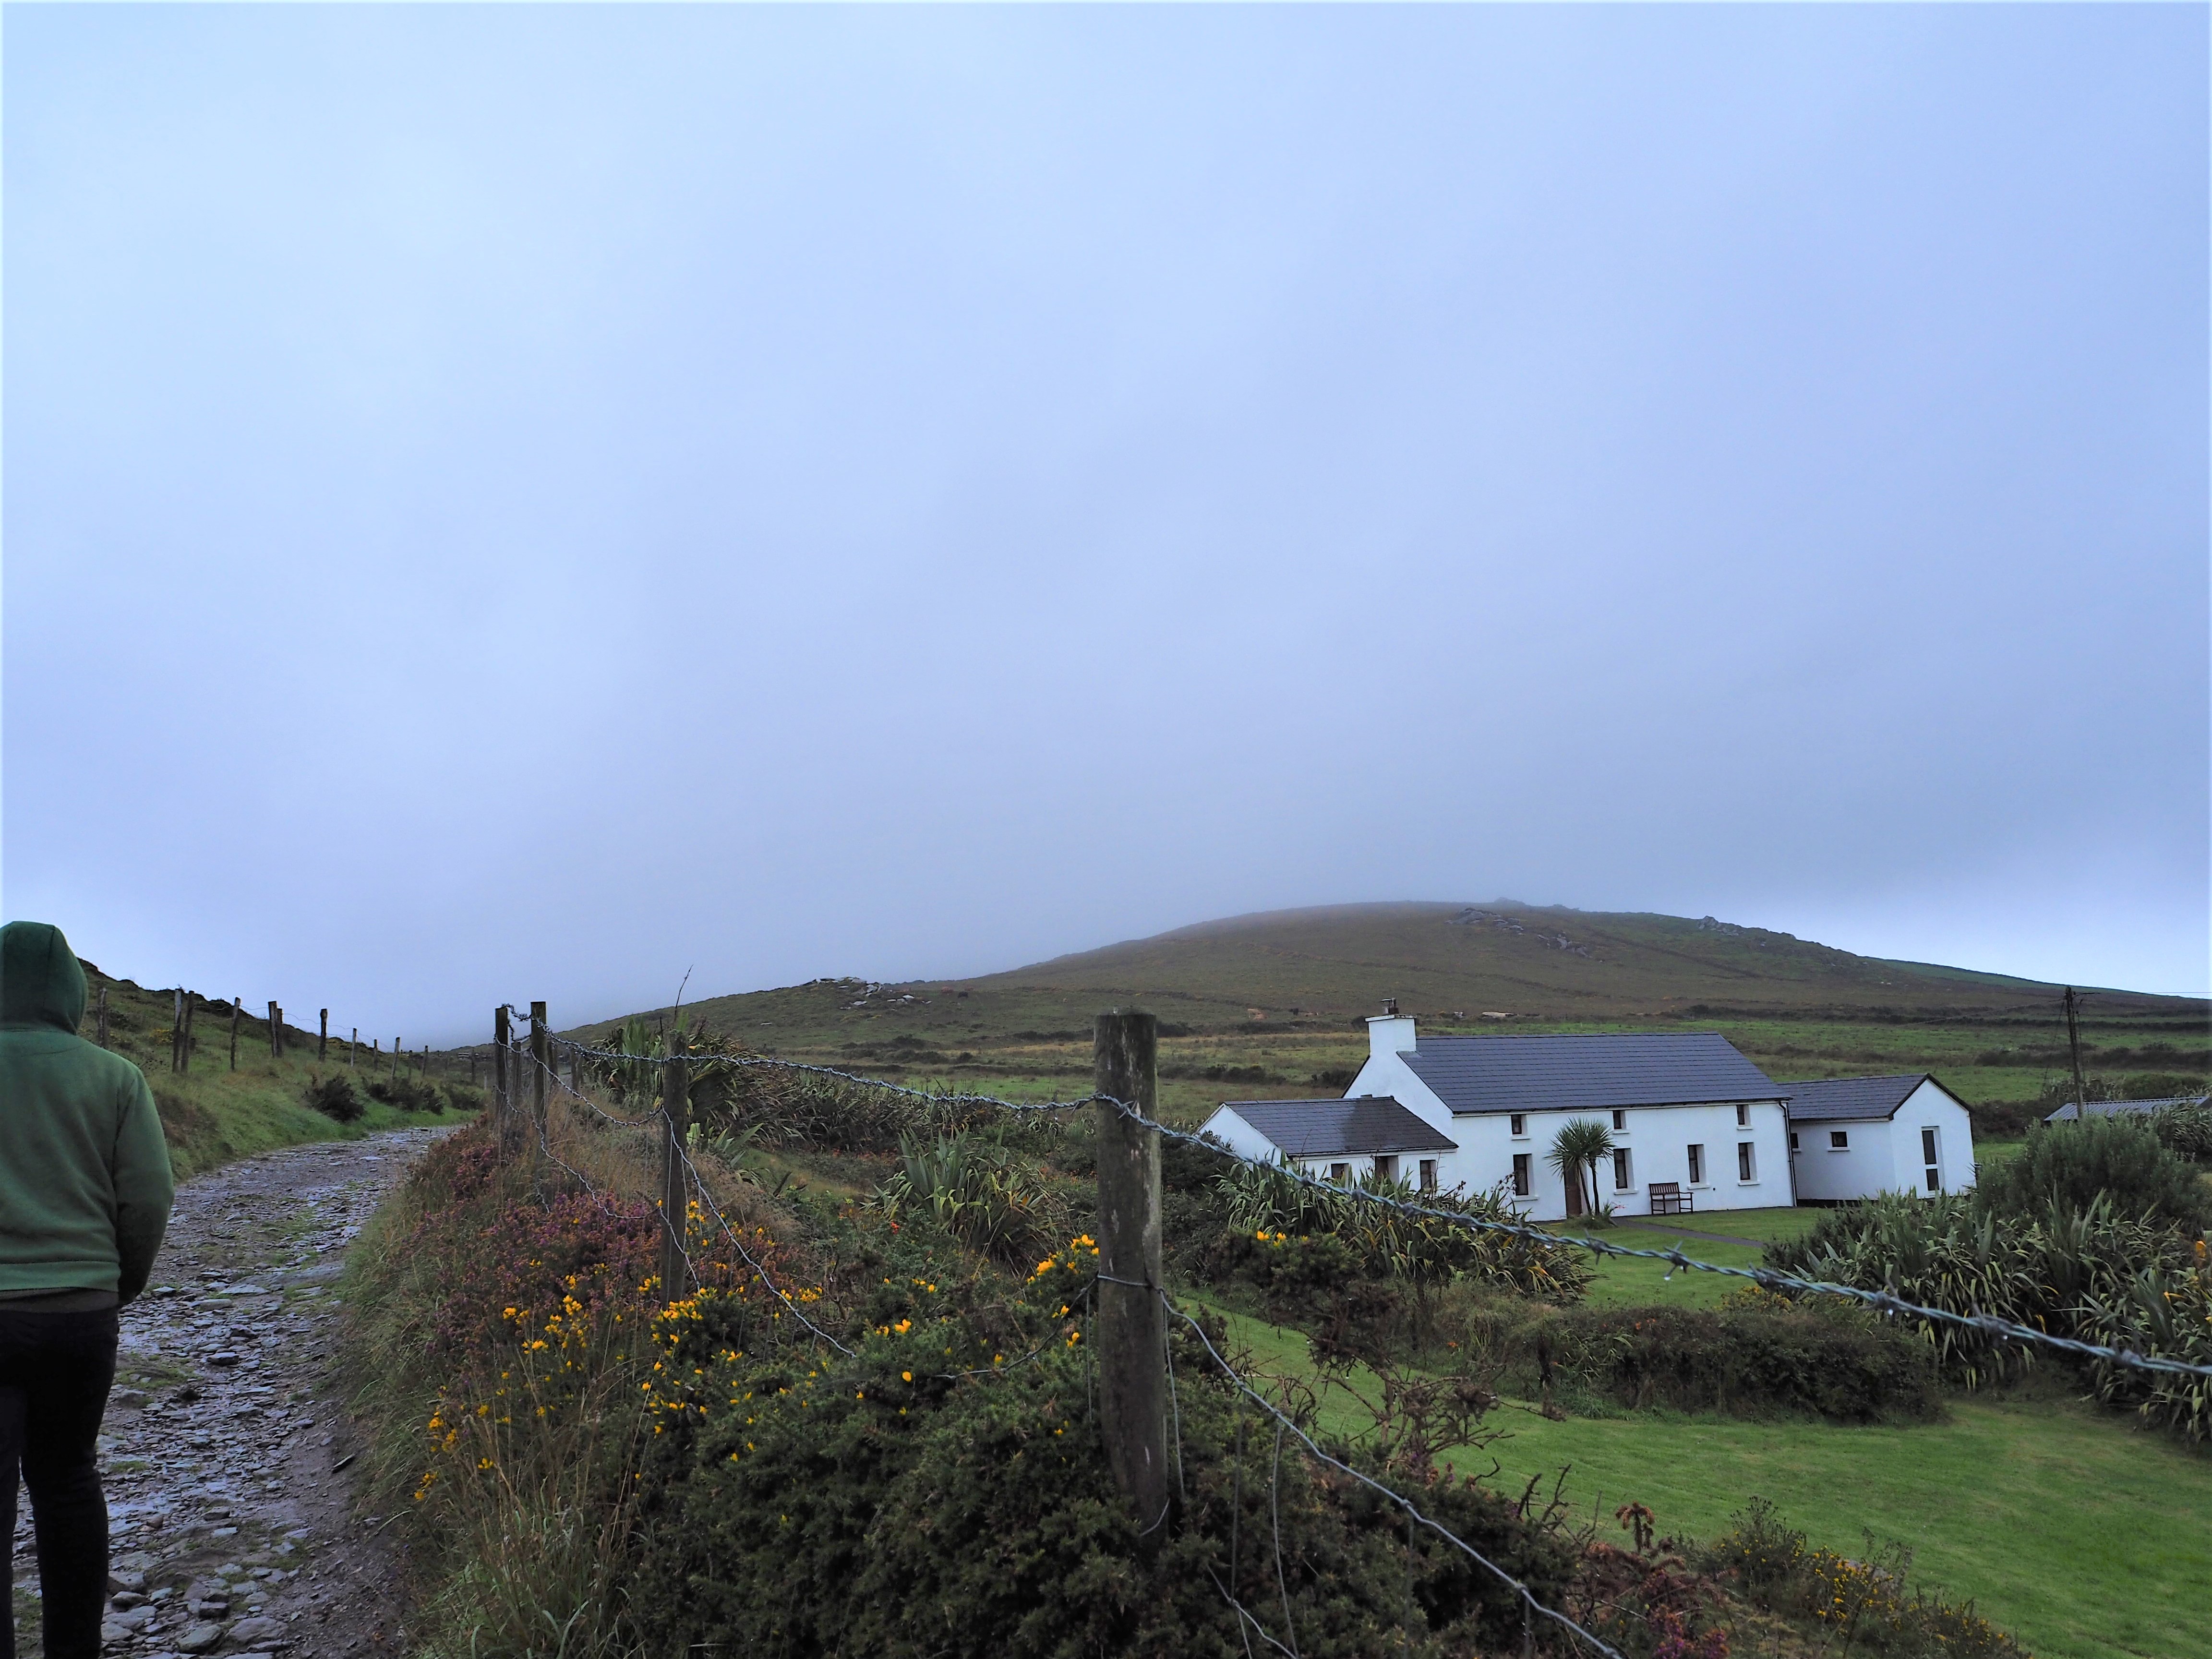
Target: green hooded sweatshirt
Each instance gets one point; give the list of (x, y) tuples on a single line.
[(85, 1186)]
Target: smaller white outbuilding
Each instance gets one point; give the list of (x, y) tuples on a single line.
[(1854, 1137), (1342, 1140)]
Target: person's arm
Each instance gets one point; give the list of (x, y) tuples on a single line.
[(145, 1189)]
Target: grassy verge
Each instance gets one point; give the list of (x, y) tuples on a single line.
[(212, 1115), (1626, 1283)]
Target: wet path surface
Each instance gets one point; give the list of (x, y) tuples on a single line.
[(225, 1455)]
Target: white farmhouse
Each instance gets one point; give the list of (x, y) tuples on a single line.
[(1336, 1139), (1853, 1137), (1695, 1126)]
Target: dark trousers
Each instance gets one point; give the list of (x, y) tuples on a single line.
[(55, 1369)]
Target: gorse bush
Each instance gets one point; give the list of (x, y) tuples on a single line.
[(2118, 1160), (1864, 1604), (333, 1096), (407, 1093), (946, 1491)]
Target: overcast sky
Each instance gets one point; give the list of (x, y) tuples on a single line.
[(507, 503)]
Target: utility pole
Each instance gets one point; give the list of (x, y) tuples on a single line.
[(1132, 1322), (2074, 1044)]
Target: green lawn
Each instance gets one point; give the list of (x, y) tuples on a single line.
[(1622, 1282), (2085, 1538)]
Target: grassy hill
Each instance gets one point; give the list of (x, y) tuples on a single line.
[(212, 1114), (1276, 1001)]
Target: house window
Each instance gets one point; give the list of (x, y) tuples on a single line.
[(1793, 1140), (1386, 1169), (1696, 1166), (1340, 1173), (1621, 1180), (1520, 1175), (1839, 1140), (1520, 1124), (1621, 1122), (1743, 1117), (1934, 1169), (1428, 1174), (1747, 1165)]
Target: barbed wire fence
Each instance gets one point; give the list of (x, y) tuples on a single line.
[(1135, 1381)]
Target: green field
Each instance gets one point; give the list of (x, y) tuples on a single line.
[(1631, 1283), (2083, 1536)]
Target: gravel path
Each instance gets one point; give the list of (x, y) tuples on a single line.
[(225, 1450)]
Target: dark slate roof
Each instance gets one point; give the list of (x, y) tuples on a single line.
[(1821, 1098), (1361, 1123), (1580, 1073), (2069, 1111)]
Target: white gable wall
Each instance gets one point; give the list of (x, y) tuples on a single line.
[(1240, 1137), (1883, 1155)]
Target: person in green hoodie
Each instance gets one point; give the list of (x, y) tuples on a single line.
[(85, 1190)]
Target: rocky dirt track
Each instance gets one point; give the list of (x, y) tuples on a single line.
[(226, 1454)]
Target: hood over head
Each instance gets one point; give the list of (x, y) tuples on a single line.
[(41, 983)]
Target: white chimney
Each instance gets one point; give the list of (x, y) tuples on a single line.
[(1389, 1032)]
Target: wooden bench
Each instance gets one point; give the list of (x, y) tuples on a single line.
[(1668, 1198)]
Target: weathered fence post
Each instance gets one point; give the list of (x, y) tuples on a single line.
[(103, 1016), (676, 1106), (185, 1043), (499, 1091), (323, 1040), (176, 1033), (237, 1008), (353, 1050), (276, 1032), (1131, 1322), (541, 1067), (397, 1047)]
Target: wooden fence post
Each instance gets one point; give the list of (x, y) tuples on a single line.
[(177, 1031), (676, 1106), (103, 1016), (276, 1032), (353, 1050), (498, 1090), (540, 1065), (1132, 1323), (185, 1040), (323, 1040), (237, 1007)]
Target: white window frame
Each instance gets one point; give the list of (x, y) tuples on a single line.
[(1518, 1124), (1742, 1116), (1524, 1175), (1839, 1140), (1619, 1121), (1931, 1169), (1746, 1163), (1696, 1150), (1428, 1174), (1624, 1170), (1341, 1174), (1386, 1166)]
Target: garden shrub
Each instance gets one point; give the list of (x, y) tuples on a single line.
[(333, 1096), (1755, 1355), (2071, 1165), (2186, 1131), (2136, 1283)]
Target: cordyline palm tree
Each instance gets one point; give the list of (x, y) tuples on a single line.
[(1581, 1142)]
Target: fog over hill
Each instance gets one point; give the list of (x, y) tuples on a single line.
[(1463, 963)]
